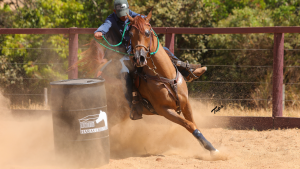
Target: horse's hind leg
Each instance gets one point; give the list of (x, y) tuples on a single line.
[(189, 125)]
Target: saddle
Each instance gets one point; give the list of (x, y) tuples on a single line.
[(138, 99)]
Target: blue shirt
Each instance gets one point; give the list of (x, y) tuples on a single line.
[(113, 28)]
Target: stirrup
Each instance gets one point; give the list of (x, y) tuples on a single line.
[(134, 114), (191, 77), (187, 65)]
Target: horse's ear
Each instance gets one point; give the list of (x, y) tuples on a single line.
[(149, 16), (130, 18)]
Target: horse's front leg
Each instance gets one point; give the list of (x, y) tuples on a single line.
[(171, 115)]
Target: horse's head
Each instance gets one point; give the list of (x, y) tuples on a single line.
[(141, 38)]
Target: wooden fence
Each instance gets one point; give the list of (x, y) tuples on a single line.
[(278, 55)]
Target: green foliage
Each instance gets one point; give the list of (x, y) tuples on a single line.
[(6, 16), (249, 17), (46, 57), (181, 13), (36, 56), (223, 9)]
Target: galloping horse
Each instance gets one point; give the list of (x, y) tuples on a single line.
[(161, 83)]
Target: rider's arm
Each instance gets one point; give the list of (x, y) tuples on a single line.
[(104, 28), (133, 14)]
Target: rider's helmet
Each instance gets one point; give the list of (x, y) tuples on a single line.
[(121, 7)]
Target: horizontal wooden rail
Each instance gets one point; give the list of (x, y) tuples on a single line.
[(59, 30), (250, 122), (243, 30), (161, 30), (34, 31)]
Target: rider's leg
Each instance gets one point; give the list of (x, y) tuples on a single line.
[(189, 71), (128, 90), (127, 83), (127, 86)]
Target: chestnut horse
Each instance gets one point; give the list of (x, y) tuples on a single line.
[(162, 85)]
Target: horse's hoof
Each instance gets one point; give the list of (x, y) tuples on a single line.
[(214, 153)]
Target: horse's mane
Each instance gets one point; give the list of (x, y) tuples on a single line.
[(140, 22)]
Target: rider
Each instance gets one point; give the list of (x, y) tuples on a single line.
[(113, 27)]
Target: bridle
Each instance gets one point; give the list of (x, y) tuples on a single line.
[(141, 45), (148, 49)]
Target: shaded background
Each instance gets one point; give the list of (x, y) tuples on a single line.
[(239, 66)]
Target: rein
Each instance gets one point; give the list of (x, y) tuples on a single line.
[(152, 53), (112, 48), (116, 44)]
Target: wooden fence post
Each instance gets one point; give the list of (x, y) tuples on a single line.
[(45, 97), (169, 41), (278, 54), (73, 51), (283, 96)]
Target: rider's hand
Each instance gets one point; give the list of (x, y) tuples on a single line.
[(98, 35)]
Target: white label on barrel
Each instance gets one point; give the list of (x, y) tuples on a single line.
[(90, 123)]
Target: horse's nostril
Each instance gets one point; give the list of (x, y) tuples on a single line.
[(142, 59)]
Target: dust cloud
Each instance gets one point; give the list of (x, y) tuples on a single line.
[(155, 135), (28, 142)]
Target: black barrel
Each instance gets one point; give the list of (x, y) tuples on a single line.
[(80, 126)]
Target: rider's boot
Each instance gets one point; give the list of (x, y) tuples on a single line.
[(189, 71), (196, 73)]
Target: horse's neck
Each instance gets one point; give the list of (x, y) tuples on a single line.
[(162, 61)]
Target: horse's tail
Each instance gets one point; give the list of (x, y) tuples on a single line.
[(92, 59)]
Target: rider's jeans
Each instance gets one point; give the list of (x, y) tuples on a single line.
[(127, 87), (126, 78), (124, 68)]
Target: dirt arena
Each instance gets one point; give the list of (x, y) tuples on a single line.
[(27, 143)]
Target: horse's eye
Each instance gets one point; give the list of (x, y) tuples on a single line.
[(147, 33), (130, 34)]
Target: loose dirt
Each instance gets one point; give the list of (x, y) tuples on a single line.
[(153, 142)]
